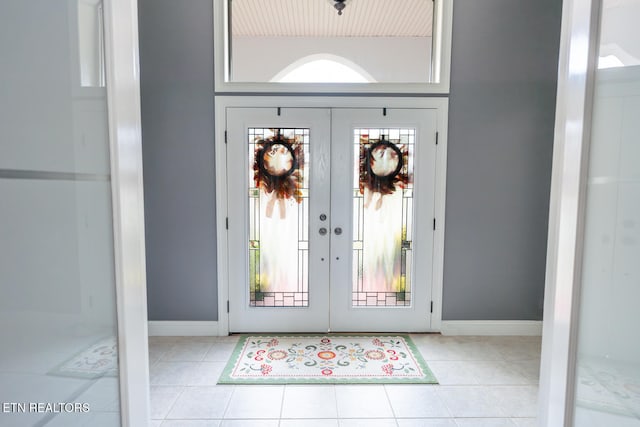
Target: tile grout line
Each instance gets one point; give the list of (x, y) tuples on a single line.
[(393, 412), (284, 391), (196, 360), (444, 403), (226, 407), (204, 355), (335, 402), (174, 403)]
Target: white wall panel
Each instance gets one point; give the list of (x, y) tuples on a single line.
[(386, 59)]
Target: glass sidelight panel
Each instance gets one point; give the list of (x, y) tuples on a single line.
[(278, 217), (607, 380), (59, 353), (382, 216)]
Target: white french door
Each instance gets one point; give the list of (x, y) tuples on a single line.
[(382, 198), (330, 219), (279, 187)]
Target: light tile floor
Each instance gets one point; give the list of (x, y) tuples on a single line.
[(484, 382)]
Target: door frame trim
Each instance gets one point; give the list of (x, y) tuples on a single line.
[(441, 105), (578, 58), (127, 192)]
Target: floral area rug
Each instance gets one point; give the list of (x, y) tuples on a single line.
[(331, 359), (98, 360)]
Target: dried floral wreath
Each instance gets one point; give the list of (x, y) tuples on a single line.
[(382, 168), (277, 170)]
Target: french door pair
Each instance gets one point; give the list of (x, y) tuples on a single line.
[(330, 219)]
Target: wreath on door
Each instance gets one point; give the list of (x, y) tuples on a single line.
[(382, 168), (278, 168)]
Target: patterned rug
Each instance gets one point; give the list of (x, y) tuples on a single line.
[(331, 359), (98, 360)]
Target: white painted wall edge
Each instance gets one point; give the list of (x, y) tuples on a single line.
[(492, 327), (180, 328), (125, 142)]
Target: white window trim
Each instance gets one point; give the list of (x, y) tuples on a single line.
[(441, 104), (443, 19)]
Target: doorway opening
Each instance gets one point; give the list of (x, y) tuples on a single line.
[(326, 219)]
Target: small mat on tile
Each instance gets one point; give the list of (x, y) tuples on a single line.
[(326, 359), (608, 386), (98, 360)]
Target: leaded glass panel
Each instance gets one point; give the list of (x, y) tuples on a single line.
[(278, 217), (382, 216)]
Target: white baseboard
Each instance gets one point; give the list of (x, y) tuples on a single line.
[(178, 328), (170, 328), (492, 327)]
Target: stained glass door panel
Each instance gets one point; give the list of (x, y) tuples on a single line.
[(382, 216), (278, 217), (278, 188)]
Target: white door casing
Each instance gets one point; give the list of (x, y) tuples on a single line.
[(331, 193)]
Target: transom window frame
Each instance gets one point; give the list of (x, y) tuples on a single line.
[(441, 59)]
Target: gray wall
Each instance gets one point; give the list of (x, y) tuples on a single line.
[(500, 140), (176, 64), (502, 104)]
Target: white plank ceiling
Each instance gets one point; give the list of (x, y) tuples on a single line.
[(318, 18)]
